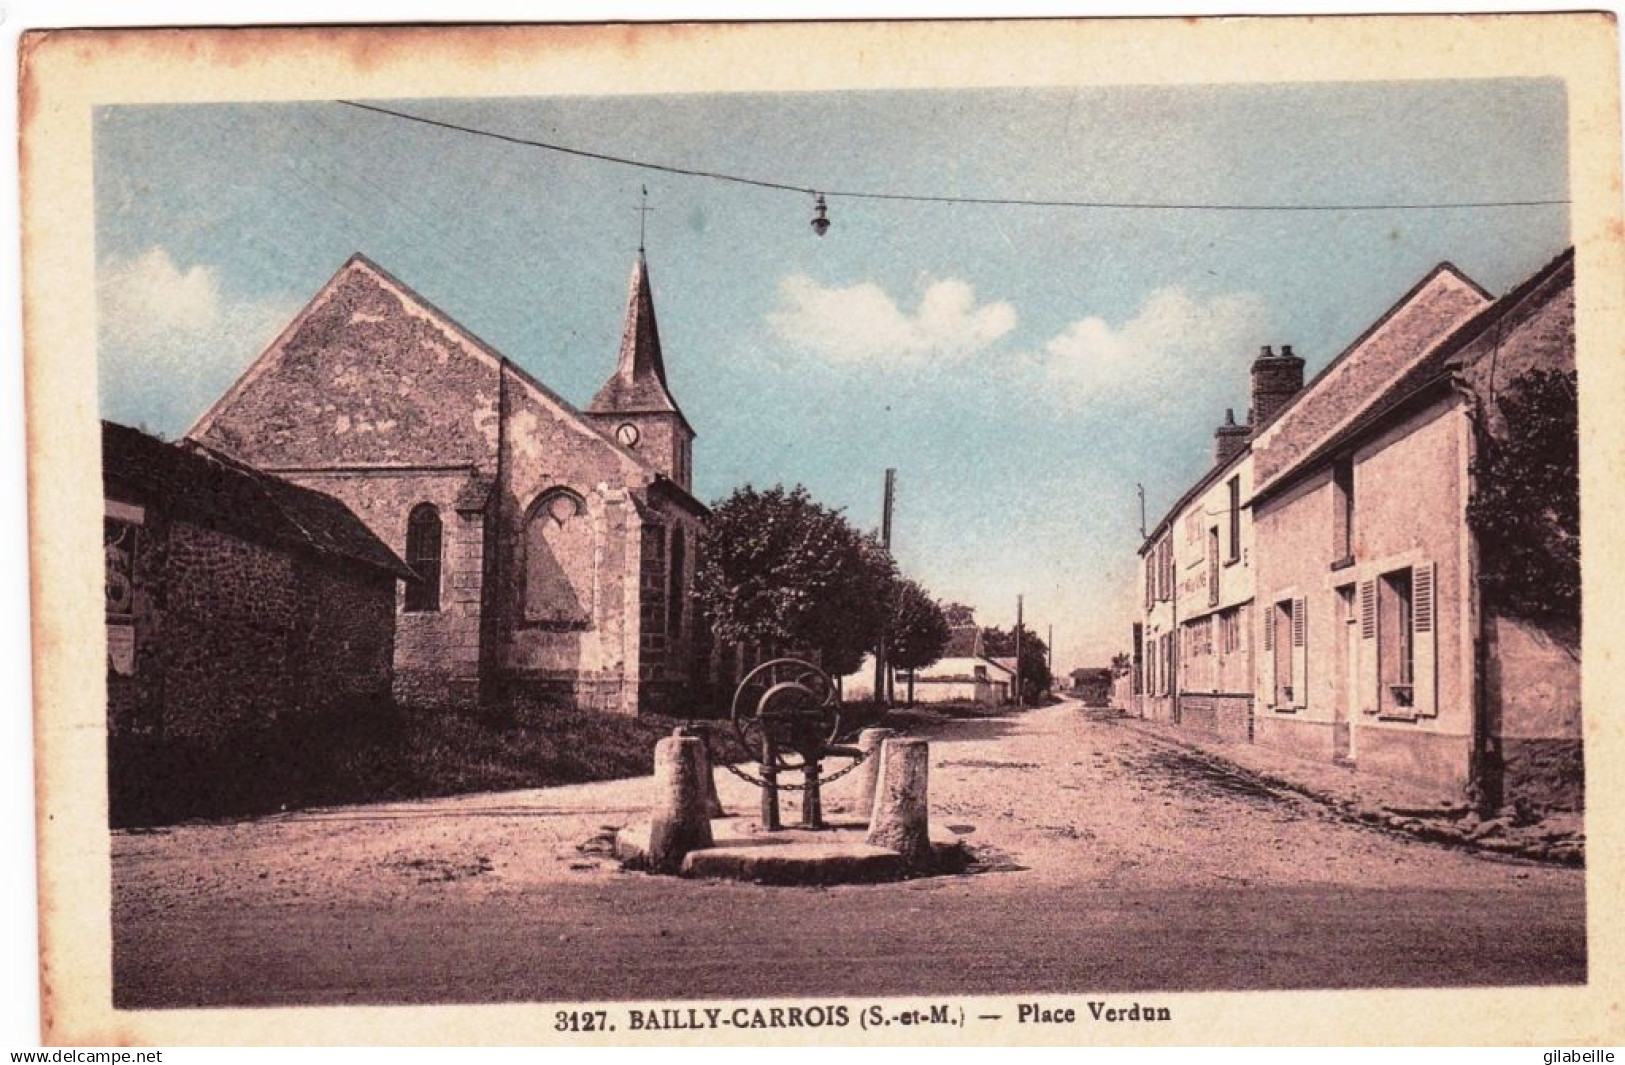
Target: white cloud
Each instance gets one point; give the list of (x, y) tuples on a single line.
[(1173, 346), (861, 323), (170, 340)]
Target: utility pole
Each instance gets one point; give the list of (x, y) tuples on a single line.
[(882, 674), (1019, 701), (1049, 657)]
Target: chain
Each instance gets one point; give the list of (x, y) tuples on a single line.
[(832, 778)]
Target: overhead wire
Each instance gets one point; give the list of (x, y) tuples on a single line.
[(865, 194)]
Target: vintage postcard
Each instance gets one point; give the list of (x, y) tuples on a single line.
[(1056, 532)]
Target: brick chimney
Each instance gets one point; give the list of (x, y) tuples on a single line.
[(1276, 379), (1229, 438)]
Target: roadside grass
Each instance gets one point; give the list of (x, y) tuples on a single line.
[(381, 755), (396, 753)]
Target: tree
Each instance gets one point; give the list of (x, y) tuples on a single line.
[(1525, 508), (778, 569), (1035, 675), (1122, 663), (918, 632), (958, 614)]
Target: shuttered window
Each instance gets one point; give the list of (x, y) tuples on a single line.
[(1300, 652), (1279, 634), (1424, 641), (1405, 641)]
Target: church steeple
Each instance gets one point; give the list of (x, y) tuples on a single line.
[(636, 403), (639, 381)]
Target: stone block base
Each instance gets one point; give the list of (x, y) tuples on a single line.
[(1226, 716), (1549, 774), (1296, 735), (1437, 761)]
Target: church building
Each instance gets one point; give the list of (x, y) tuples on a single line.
[(554, 548)]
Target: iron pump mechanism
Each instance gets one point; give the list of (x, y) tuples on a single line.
[(790, 711)]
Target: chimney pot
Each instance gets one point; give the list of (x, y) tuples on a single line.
[(1266, 353), (1229, 438), (1276, 379)]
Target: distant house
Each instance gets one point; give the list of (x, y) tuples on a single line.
[(234, 599), (1092, 685), (964, 673)]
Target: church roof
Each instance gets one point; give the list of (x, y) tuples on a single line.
[(195, 483), (638, 384), (361, 269)]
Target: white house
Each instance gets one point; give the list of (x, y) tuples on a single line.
[(963, 674)]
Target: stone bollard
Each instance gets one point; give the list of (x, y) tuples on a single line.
[(679, 822), (869, 741), (713, 801), (900, 820)]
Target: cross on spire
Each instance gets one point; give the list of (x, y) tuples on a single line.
[(643, 210)]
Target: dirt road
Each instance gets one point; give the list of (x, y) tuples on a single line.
[(1112, 861)]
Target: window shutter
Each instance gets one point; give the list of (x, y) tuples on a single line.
[(1367, 677), (1424, 641), (1268, 615), (1300, 652)]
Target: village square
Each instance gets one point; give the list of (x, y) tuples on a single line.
[(449, 661)]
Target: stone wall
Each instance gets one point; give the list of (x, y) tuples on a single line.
[(233, 636), (1227, 716), (1532, 701)]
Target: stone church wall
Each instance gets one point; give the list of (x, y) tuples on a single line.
[(586, 662), (378, 399), (437, 653), (341, 392)]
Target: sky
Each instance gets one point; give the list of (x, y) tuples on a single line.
[(1023, 368)]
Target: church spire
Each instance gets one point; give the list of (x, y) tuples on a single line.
[(638, 384)]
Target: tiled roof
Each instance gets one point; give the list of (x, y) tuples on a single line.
[(203, 486), (1421, 316), (1434, 368)]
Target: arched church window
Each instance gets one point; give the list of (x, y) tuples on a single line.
[(423, 555), (558, 560), (677, 584)]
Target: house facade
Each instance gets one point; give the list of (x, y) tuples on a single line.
[(1196, 566), (1369, 573), (1322, 584), (553, 547)]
